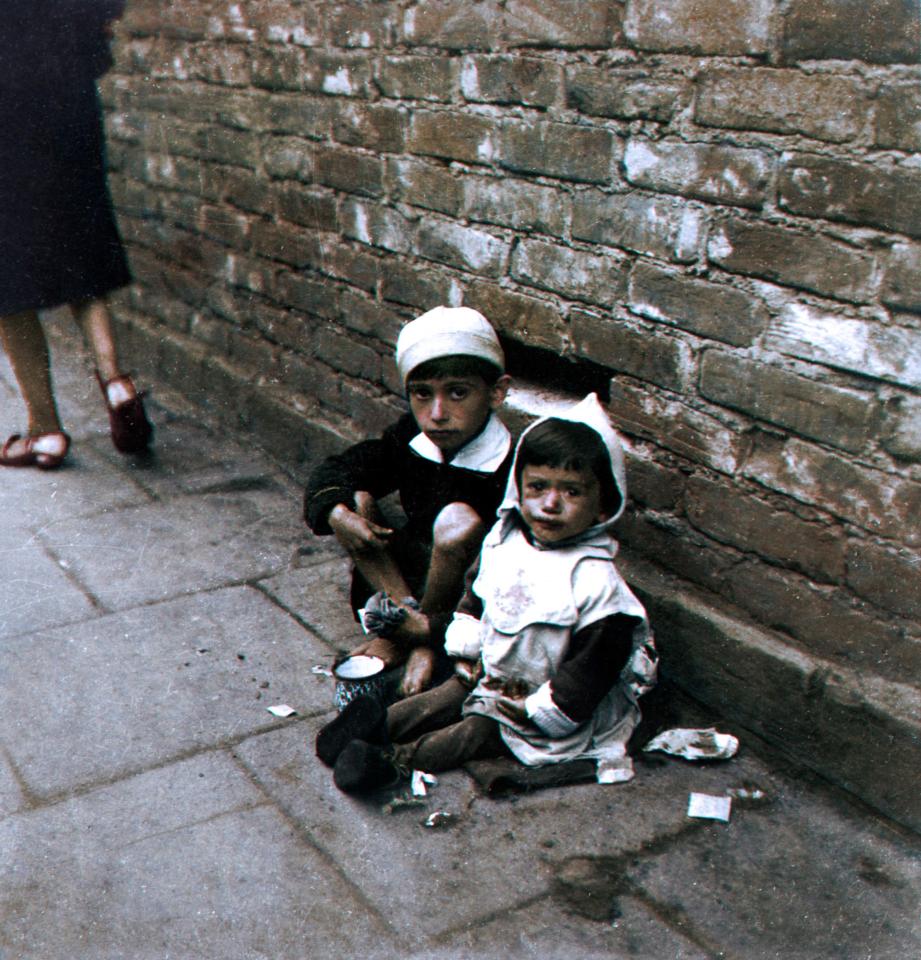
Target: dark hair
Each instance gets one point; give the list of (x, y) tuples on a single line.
[(568, 445), (456, 365)]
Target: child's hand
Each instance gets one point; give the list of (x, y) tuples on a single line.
[(388, 651), (468, 672), (512, 708), (355, 532)]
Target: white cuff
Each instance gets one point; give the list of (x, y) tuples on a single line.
[(462, 638), (546, 715)]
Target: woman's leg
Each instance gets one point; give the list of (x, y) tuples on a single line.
[(131, 430), (24, 342), (93, 316)]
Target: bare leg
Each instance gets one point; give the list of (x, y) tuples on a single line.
[(93, 316), (457, 536), (25, 344), (376, 564)]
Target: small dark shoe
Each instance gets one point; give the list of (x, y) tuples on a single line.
[(363, 767), (365, 718)]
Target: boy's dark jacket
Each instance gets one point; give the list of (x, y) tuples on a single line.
[(389, 464)]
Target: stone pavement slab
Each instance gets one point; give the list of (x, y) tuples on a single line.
[(756, 887), (187, 861), (152, 552), (318, 595), (118, 694), (35, 591)]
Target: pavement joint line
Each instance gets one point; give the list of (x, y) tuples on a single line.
[(233, 811), (297, 618), (678, 921), (445, 936), (72, 577), (313, 844), (228, 744), (32, 800)]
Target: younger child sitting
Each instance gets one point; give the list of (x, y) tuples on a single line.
[(563, 645), (448, 459)]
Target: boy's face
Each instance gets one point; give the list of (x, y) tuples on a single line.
[(557, 504), (451, 411)]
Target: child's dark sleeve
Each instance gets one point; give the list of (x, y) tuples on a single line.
[(597, 654), (371, 465)]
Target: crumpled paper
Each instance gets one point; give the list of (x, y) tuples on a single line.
[(694, 744)]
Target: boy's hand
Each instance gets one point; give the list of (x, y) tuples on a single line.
[(513, 709), (355, 532), (388, 651)]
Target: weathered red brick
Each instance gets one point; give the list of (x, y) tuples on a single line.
[(902, 281), (886, 31), (358, 24), (571, 273), (707, 309), (734, 516), (456, 136), (876, 195), (654, 485), (835, 415), (782, 101), (287, 158), (377, 226), (846, 343), (362, 315), (898, 117), (661, 227), (721, 27), (425, 185), (414, 286), (463, 247), (706, 171), (313, 296), (285, 243), (794, 259), (674, 425), (453, 24), (417, 78), (887, 578), (882, 503), (371, 126), (564, 23), (492, 79), (347, 355), (901, 433), (342, 75), (349, 170), (522, 318), (309, 208), (300, 115), (558, 150), (639, 353), (625, 94), (514, 203)]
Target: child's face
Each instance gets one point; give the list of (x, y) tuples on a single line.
[(451, 411), (557, 504)]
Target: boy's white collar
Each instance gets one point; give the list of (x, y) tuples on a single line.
[(485, 452)]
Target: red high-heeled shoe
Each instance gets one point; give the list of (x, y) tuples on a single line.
[(45, 450), (131, 430)]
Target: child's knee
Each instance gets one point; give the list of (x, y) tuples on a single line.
[(458, 527)]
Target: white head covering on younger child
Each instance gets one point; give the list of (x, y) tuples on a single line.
[(447, 332)]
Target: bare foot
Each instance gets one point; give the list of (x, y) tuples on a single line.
[(391, 653), (418, 672)]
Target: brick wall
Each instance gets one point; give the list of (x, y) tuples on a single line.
[(710, 210)]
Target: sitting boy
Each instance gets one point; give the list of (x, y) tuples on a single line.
[(449, 461), (564, 646)]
